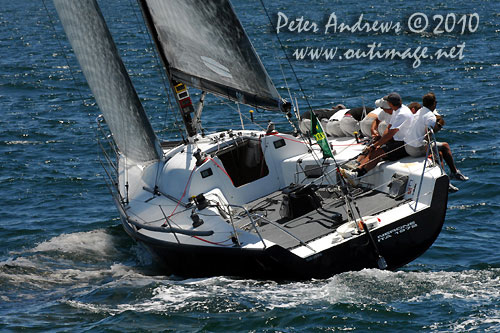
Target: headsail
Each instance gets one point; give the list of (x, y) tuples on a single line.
[(204, 45), (108, 79)]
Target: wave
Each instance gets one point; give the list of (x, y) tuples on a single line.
[(75, 260), (372, 287), (96, 241), (422, 300), (27, 142), (77, 267)]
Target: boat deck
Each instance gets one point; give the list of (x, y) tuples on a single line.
[(318, 222)]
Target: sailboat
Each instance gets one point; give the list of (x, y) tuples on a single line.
[(242, 202)]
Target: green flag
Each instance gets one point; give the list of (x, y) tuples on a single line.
[(319, 135)]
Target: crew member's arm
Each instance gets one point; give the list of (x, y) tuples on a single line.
[(374, 129), (388, 134)]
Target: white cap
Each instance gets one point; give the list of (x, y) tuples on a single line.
[(382, 103)]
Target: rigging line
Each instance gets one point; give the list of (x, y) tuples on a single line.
[(348, 193), (159, 167), (168, 222), (302, 136), (222, 169), (142, 220), (286, 56), (73, 77), (183, 194), (162, 74), (141, 32), (381, 186), (347, 144), (241, 117), (213, 243), (305, 141), (296, 78), (151, 46), (258, 125), (153, 53), (282, 72), (232, 107), (64, 53), (289, 93), (285, 138), (288, 89), (364, 106)]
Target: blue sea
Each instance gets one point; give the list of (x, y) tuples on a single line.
[(66, 265)]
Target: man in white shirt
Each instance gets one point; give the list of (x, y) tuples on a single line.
[(422, 121), (446, 155), (391, 145), (375, 122)]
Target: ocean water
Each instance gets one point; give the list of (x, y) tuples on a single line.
[(67, 265)]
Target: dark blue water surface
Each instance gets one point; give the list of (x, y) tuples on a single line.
[(67, 265)]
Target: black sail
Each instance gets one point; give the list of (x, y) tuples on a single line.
[(108, 79), (204, 46)]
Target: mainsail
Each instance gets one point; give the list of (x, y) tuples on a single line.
[(203, 45), (108, 79)]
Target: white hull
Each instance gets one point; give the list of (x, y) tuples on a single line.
[(143, 209)]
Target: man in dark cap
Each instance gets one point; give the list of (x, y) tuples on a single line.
[(391, 145)]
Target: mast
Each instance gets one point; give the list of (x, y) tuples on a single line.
[(199, 109), (179, 89)]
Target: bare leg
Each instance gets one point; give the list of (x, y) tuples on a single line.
[(371, 160), (366, 163), (441, 159), (447, 156)]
